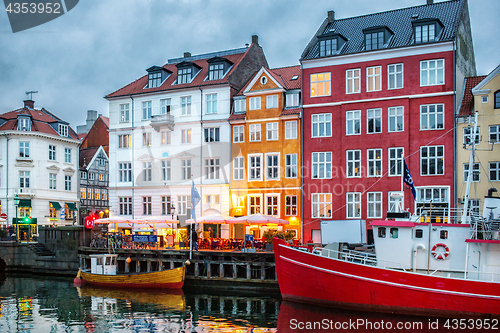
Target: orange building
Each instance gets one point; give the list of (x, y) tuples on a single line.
[(266, 152)]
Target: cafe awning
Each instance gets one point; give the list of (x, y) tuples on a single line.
[(71, 205), (55, 205), (24, 203)]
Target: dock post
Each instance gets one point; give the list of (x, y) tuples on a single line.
[(262, 272), (196, 269), (221, 270), (209, 269), (172, 265), (249, 272), (127, 267), (138, 266), (149, 266), (235, 271)]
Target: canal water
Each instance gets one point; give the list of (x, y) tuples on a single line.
[(52, 304)]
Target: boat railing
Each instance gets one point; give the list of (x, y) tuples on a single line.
[(470, 275), (485, 228), (359, 257)]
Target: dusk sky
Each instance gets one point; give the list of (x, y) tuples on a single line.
[(100, 46)]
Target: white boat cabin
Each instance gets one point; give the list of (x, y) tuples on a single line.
[(103, 264)]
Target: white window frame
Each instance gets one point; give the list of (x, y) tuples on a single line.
[(428, 158), (186, 136), (256, 207), (147, 169), (271, 101), (290, 206), (25, 177), (67, 183), (67, 155), (373, 160), (254, 103), (292, 100), (146, 139), (353, 81), (476, 172), (373, 77), (52, 181), (321, 205), (166, 138), (396, 114), (212, 168), (321, 161), (435, 115), (124, 172), (165, 105), (426, 71), (124, 113), (352, 163), (255, 132), (147, 206), (251, 169), (211, 134), (290, 165), (272, 130), (426, 190), (186, 105), (393, 72), (467, 133), (352, 117), (397, 171), (321, 84), (321, 125), (147, 110), (125, 141), (24, 149), (166, 205), (373, 114), (353, 202), (240, 105), (166, 170), (494, 168), (63, 130), (211, 103), (52, 152), (374, 205), (125, 205), (494, 131), (239, 168), (272, 205), (275, 169), (239, 133), (186, 170), (183, 204), (290, 130)]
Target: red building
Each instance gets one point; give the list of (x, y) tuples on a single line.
[(379, 89)]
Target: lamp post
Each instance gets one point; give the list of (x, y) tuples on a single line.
[(172, 211), (16, 203)]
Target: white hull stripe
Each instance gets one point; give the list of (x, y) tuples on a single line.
[(356, 277)]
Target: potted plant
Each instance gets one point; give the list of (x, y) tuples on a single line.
[(269, 235), (183, 239)]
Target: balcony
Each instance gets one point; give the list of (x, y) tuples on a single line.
[(24, 192), (162, 120)]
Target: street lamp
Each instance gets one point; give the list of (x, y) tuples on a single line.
[(16, 203), (172, 211)]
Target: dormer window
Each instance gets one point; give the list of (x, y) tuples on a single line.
[(156, 76), (184, 75), (217, 68), (24, 124), (426, 30), (154, 80), (330, 44), (63, 130), (376, 37)]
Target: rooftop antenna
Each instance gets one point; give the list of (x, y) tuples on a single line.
[(31, 94)]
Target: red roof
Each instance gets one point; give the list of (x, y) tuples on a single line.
[(105, 120), (287, 112), (238, 116), (289, 77), (467, 106)]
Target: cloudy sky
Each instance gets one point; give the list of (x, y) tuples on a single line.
[(102, 45)]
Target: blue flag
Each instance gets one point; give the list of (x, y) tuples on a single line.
[(409, 181), (195, 199)]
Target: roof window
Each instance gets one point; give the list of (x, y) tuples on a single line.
[(426, 30), (330, 43), (376, 37), (186, 71), (24, 124), (156, 76), (218, 67)]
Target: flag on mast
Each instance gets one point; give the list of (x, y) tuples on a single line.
[(409, 181), (195, 199)]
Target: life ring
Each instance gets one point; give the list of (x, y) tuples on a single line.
[(440, 254)]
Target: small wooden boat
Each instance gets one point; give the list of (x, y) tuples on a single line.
[(103, 273)]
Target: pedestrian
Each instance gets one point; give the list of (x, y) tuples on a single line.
[(194, 238)]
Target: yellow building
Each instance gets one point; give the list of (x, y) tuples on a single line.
[(266, 152), (481, 94)]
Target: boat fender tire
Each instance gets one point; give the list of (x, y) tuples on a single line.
[(440, 254)]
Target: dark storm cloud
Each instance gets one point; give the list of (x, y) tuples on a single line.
[(100, 46)]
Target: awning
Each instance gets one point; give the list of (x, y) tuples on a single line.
[(71, 205), (24, 203), (55, 205)]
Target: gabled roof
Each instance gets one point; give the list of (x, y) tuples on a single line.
[(86, 156), (467, 103), (486, 79), (288, 78), (397, 21)]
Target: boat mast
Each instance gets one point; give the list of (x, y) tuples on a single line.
[(472, 142)]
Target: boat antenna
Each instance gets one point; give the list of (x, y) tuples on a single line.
[(472, 142)]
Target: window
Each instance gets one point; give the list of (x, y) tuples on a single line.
[(215, 71), (165, 105), (67, 155), (83, 175), (63, 130), (272, 166), (475, 206), (211, 103), (432, 195), (291, 205), (292, 100), (272, 205), (254, 103), (212, 166), (327, 47), (322, 165), (90, 193), (395, 76), (52, 181), (125, 205), (320, 84), (125, 172), (104, 194), (166, 138), (394, 232), (395, 204), (291, 166), (146, 110), (186, 106), (494, 134), (374, 40), (183, 204), (374, 157), (321, 205), (396, 158), (212, 134), (124, 112), (67, 183), (419, 233), (431, 116), (239, 168), (52, 153), (353, 163), (91, 176), (432, 160), (184, 75), (467, 135), (353, 205), (290, 130), (186, 136), (186, 169), (432, 72), (239, 133), (353, 81), (255, 167), (101, 177), (321, 125), (374, 203), (166, 205), (98, 194), (154, 80), (425, 33), (24, 124), (254, 204), (476, 172), (272, 131), (353, 122), (497, 100), (83, 193), (272, 101), (263, 80), (146, 139), (24, 149), (484, 99), (255, 132), (146, 206), (381, 232), (240, 105), (124, 141), (374, 78), (443, 234), (166, 170), (494, 171), (147, 171), (374, 119), (396, 119)]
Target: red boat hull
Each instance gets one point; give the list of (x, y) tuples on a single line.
[(310, 278)]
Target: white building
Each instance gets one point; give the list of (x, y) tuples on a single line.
[(38, 168), (170, 127)]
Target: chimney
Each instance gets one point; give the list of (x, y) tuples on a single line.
[(430, 2), (187, 54), (255, 39), (331, 15), (29, 104)]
